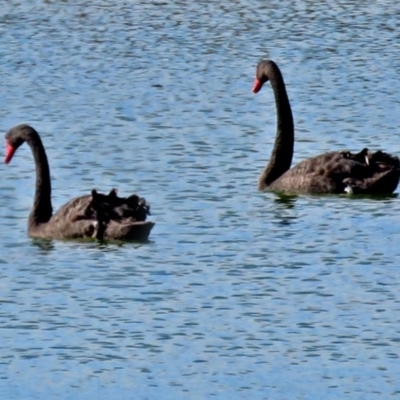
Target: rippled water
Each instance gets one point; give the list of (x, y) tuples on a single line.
[(239, 294)]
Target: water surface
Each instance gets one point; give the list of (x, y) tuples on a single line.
[(239, 294)]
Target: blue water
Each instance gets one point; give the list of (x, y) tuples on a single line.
[(238, 294)]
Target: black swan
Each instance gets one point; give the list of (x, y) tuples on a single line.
[(334, 172), (96, 215)]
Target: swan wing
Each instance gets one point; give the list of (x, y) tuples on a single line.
[(342, 172)]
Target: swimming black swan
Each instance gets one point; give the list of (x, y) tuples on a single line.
[(96, 215), (334, 172)]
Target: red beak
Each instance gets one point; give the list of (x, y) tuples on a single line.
[(9, 153), (257, 86)]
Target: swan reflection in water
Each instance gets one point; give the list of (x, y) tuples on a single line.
[(284, 211)]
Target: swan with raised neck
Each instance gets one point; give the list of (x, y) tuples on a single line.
[(104, 217), (334, 172)]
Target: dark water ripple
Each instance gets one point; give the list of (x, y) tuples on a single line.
[(238, 294)]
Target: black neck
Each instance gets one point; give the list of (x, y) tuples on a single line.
[(282, 153), (42, 209)]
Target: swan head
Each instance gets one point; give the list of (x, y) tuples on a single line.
[(263, 72), (15, 137)]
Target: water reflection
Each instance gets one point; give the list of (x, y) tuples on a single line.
[(385, 197), (285, 199), (283, 209), (45, 246)]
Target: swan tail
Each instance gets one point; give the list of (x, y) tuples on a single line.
[(380, 183), (118, 218)]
